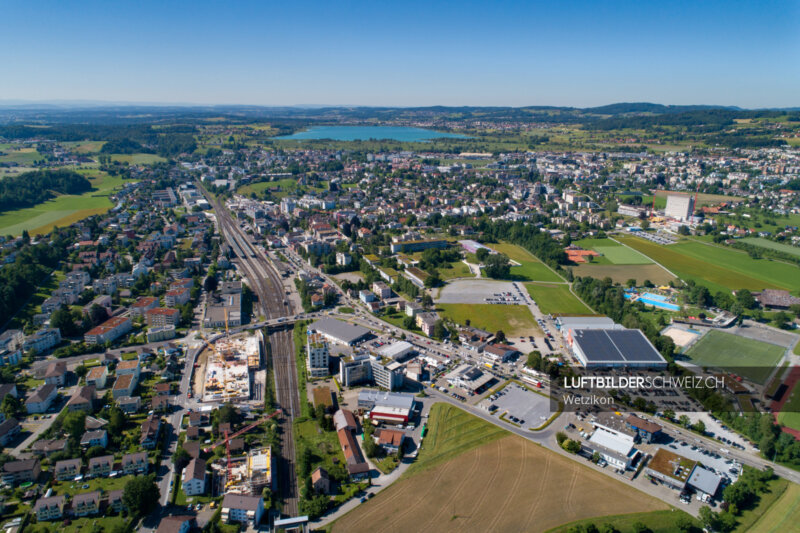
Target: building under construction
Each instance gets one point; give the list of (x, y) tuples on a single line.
[(229, 366), (252, 474)]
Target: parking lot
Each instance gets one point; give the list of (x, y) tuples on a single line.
[(718, 462), (530, 410)]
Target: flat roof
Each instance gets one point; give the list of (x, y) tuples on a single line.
[(608, 440), (397, 349), (704, 480), (616, 346), (342, 331), (386, 399), (585, 322)]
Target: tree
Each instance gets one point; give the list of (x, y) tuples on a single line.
[(745, 298), (596, 457), (699, 427), (561, 437), (409, 322), (572, 446), (63, 319), (210, 283), (684, 421), (669, 414), (10, 406), (500, 336), (439, 331), (81, 371), (497, 266), (181, 457), (95, 451), (645, 224), (370, 448), (141, 495), (427, 301), (482, 254), (75, 425)]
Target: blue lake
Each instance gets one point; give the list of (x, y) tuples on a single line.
[(364, 133)]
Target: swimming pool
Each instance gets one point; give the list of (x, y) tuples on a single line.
[(656, 300)]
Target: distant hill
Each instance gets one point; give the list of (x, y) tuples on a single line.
[(625, 108)]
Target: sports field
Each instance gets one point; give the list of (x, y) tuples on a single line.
[(772, 245), (63, 210), (456, 270), (556, 299), (613, 252), (750, 358), (470, 478), (530, 269), (622, 273), (511, 319), (719, 268), (782, 515)]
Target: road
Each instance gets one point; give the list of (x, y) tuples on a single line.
[(267, 286)]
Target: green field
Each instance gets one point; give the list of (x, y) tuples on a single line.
[(622, 255), (138, 159), (556, 299), (782, 514), (63, 210), (530, 269), (22, 156), (752, 359), (719, 268), (790, 412), (511, 319), (772, 245), (452, 431), (456, 270)]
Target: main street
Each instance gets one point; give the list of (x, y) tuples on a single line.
[(266, 284)]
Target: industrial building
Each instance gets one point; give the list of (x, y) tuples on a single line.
[(397, 351), (363, 368), (339, 332), (615, 348), (679, 206), (469, 378), (391, 407)]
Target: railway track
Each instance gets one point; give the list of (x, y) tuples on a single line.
[(266, 284)]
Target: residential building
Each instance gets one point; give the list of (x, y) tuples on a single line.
[(86, 504), (97, 377), (124, 386), (357, 467), (135, 463), (108, 331), (163, 316), (160, 333), (100, 466), (9, 429), (321, 481), (67, 469), (56, 373), (175, 524), (91, 439), (51, 508), (150, 431), (317, 354), (82, 399), (42, 340), (129, 404), (41, 399), (242, 508), (142, 305), (194, 477), (391, 440), (133, 367), (115, 502), (176, 297), (15, 472)]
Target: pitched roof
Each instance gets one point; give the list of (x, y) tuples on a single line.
[(196, 469)]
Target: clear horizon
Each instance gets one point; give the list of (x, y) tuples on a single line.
[(509, 53)]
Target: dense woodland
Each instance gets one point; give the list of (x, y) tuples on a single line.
[(32, 188)]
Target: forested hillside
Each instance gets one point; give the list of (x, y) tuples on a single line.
[(32, 188)]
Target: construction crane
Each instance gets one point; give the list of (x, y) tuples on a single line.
[(242, 431)]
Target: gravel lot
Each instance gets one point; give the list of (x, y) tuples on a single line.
[(476, 291)]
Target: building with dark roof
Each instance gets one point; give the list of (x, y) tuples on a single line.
[(612, 348), (646, 430)]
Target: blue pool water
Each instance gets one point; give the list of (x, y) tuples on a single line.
[(656, 300), (364, 133)]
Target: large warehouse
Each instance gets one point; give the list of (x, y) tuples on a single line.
[(608, 348), (339, 332), (397, 351)]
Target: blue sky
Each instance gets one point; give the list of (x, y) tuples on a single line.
[(577, 53)]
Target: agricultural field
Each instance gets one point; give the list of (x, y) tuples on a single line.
[(703, 199), (20, 156), (63, 210), (287, 186), (511, 319), (530, 269), (622, 273), (137, 159), (750, 358), (782, 515), (556, 299), (772, 245), (719, 268), (84, 147), (526, 487)]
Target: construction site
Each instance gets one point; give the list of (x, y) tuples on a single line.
[(228, 366), (250, 474)]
